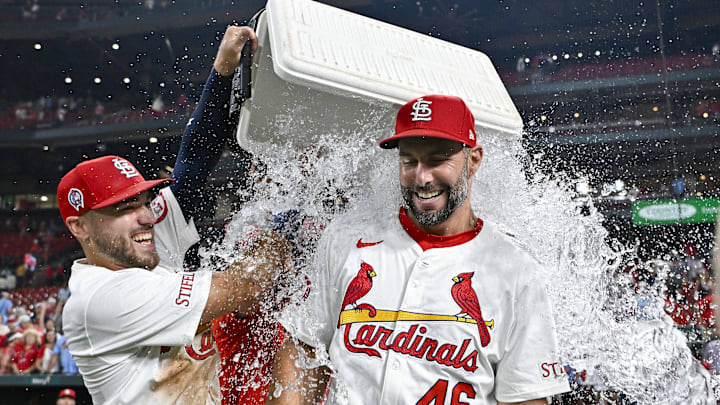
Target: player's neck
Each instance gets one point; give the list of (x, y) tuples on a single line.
[(462, 220), (94, 258)]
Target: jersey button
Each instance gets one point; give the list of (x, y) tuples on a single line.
[(415, 284), (396, 365)]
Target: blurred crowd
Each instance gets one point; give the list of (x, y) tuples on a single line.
[(33, 290), (50, 112), (31, 339), (34, 252), (560, 68)]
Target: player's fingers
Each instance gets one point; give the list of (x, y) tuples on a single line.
[(253, 38), (238, 36), (247, 34)]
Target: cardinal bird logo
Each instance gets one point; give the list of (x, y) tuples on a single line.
[(465, 297), (359, 286)]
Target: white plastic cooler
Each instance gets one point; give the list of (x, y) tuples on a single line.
[(319, 68)]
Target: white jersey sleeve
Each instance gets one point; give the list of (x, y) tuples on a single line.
[(529, 366), (135, 308), (173, 235)]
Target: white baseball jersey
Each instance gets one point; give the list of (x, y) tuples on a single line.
[(431, 320), (127, 329)]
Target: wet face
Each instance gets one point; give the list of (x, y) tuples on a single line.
[(434, 178), (121, 235)]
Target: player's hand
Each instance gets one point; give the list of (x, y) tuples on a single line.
[(265, 258), (228, 56)]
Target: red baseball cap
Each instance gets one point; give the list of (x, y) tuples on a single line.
[(99, 183), (434, 116), (67, 392)]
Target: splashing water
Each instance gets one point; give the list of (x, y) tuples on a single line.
[(594, 305)]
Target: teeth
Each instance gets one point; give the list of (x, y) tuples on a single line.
[(426, 195), (143, 237)]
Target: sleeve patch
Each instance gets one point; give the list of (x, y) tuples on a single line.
[(159, 207)]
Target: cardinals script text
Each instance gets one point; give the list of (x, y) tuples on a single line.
[(369, 337)]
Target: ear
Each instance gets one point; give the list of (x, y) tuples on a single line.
[(474, 159), (79, 227)]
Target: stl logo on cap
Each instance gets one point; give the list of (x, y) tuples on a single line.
[(421, 110), (75, 198), (125, 167)]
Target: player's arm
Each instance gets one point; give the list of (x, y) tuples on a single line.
[(532, 340), (539, 401), (209, 127), (244, 285), (293, 384), (297, 386)]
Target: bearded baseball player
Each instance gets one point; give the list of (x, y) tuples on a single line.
[(436, 306), (132, 318)]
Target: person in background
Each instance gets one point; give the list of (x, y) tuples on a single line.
[(20, 272), (8, 352), (49, 325), (63, 293), (6, 306), (26, 353), (26, 324), (61, 356), (4, 334), (66, 397), (46, 353)]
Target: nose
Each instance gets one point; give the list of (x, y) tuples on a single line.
[(423, 174)]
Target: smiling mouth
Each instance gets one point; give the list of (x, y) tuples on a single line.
[(143, 238), (427, 195)]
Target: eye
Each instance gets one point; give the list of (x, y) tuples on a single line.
[(438, 159)]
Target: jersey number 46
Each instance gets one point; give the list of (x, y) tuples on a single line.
[(436, 394)]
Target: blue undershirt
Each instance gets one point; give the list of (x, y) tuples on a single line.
[(205, 136)]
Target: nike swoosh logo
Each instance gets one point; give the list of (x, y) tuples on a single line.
[(361, 244)]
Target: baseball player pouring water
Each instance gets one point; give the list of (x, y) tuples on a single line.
[(435, 307), (134, 311)]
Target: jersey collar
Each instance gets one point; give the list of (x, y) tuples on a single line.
[(430, 241)]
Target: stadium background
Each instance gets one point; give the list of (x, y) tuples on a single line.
[(622, 95)]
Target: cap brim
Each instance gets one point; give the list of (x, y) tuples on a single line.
[(392, 142), (132, 191)]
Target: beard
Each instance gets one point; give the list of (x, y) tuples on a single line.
[(120, 250), (456, 195)]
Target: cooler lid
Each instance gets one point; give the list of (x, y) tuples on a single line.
[(321, 46)]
